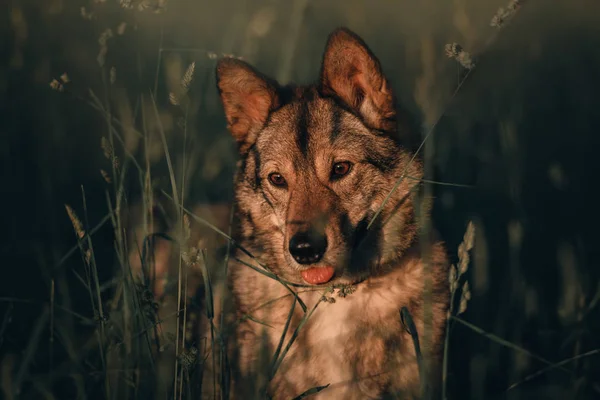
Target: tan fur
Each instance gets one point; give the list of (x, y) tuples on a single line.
[(356, 344), (350, 72), (247, 99)]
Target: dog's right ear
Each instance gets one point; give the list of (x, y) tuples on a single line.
[(248, 97)]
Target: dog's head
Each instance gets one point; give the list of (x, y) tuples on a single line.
[(317, 163)]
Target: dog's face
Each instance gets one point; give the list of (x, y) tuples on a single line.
[(317, 163)]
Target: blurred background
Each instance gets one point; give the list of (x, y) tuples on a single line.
[(521, 131)]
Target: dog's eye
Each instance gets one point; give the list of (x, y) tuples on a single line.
[(340, 169), (277, 179)]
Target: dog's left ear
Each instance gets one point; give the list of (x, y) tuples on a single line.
[(353, 74)]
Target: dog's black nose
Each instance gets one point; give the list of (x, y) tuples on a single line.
[(308, 247)]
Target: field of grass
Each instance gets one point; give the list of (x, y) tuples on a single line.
[(118, 180)]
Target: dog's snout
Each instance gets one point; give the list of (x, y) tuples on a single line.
[(308, 247)]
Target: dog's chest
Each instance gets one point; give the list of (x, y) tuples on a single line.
[(348, 344), (356, 344)]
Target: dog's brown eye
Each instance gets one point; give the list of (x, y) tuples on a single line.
[(340, 169), (277, 179)]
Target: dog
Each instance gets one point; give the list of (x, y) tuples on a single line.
[(319, 276)]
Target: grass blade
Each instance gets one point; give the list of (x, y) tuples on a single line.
[(503, 342), (410, 326), (282, 339), (553, 366), (311, 391), (295, 336)]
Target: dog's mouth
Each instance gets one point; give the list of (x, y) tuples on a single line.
[(318, 275)]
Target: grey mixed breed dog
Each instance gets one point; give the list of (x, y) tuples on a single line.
[(322, 304), (316, 164)]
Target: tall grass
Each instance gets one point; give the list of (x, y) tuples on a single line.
[(157, 327)]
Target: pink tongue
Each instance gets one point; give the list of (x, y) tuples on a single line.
[(317, 275)]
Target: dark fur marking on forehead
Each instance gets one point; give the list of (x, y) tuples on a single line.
[(336, 118), (302, 96), (302, 129)]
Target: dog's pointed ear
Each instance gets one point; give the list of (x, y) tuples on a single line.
[(353, 74), (248, 97)]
